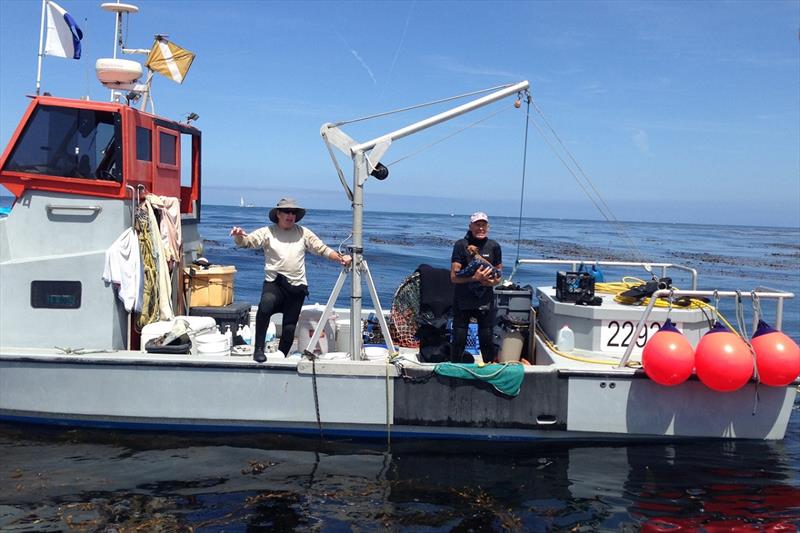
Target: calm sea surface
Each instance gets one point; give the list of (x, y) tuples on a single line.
[(92, 480)]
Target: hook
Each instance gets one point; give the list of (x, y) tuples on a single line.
[(756, 306), (669, 299), (740, 314), (134, 197), (716, 306)]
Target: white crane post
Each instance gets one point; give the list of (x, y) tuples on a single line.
[(359, 177)]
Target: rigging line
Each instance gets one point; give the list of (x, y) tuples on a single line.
[(434, 143), (569, 169), (610, 217), (607, 213), (522, 188), (418, 106), (572, 158)]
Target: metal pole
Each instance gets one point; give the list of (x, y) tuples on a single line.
[(117, 37), (326, 313), (373, 293), (359, 177), (655, 296), (41, 50), (442, 117)]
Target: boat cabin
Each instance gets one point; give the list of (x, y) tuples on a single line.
[(99, 149), (77, 170)]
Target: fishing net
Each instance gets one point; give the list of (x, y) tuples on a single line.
[(404, 313)]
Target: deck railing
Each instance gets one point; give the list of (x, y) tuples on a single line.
[(757, 293), (575, 264)]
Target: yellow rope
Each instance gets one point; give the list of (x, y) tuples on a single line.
[(627, 282), (552, 347)]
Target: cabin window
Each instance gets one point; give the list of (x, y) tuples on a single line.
[(167, 148), (144, 144), (187, 166), (70, 143), (56, 294)]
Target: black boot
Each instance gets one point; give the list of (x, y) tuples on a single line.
[(258, 354)]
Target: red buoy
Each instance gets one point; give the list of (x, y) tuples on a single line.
[(723, 360), (668, 358), (777, 356)]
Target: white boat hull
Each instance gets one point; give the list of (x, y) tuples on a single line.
[(368, 399)]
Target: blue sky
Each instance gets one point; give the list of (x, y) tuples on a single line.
[(677, 111)]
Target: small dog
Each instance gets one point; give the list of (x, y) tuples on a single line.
[(476, 263)]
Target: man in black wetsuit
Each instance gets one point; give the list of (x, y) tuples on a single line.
[(474, 296)]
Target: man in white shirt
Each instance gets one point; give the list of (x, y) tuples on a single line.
[(285, 286)]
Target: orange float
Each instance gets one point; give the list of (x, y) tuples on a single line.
[(668, 358), (723, 361), (777, 356)]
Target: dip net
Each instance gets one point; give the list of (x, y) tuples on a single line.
[(404, 312)]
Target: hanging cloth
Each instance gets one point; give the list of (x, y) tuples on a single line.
[(123, 268), (162, 268), (505, 378), (170, 225)]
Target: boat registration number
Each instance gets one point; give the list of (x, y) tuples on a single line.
[(617, 335)]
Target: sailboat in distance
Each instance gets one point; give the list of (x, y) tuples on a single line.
[(242, 204)]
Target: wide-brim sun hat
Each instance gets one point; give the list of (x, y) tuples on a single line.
[(287, 203)]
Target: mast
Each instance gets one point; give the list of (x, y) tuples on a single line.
[(41, 49)]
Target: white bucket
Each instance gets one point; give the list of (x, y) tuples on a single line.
[(307, 324), (212, 344), (196, 323), (343, 334), (153, 331), (376, 353), (331, 356)]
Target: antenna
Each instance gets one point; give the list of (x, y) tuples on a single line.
[(122, 75)]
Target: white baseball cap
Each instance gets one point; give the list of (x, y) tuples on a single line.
[(478, 215)]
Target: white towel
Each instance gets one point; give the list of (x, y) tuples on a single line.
[(124, 269)]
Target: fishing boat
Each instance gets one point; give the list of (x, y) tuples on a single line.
[(86, 173)]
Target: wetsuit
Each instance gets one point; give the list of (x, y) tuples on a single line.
[(473, 299)]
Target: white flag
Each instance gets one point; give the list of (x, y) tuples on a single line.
[(63, 34)]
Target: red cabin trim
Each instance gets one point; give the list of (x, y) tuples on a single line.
[(156, 177)]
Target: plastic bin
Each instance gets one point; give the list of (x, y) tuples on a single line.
[(572, 286), (473, 342), (514, 305), (233, 315), (210, 287)]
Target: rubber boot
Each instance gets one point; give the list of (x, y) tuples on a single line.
[(258, 354)]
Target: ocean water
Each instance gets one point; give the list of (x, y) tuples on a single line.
[(94, 480)]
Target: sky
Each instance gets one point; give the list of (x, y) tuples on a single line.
[(675, 111)]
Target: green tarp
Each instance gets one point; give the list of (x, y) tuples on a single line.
[(505, 378)]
